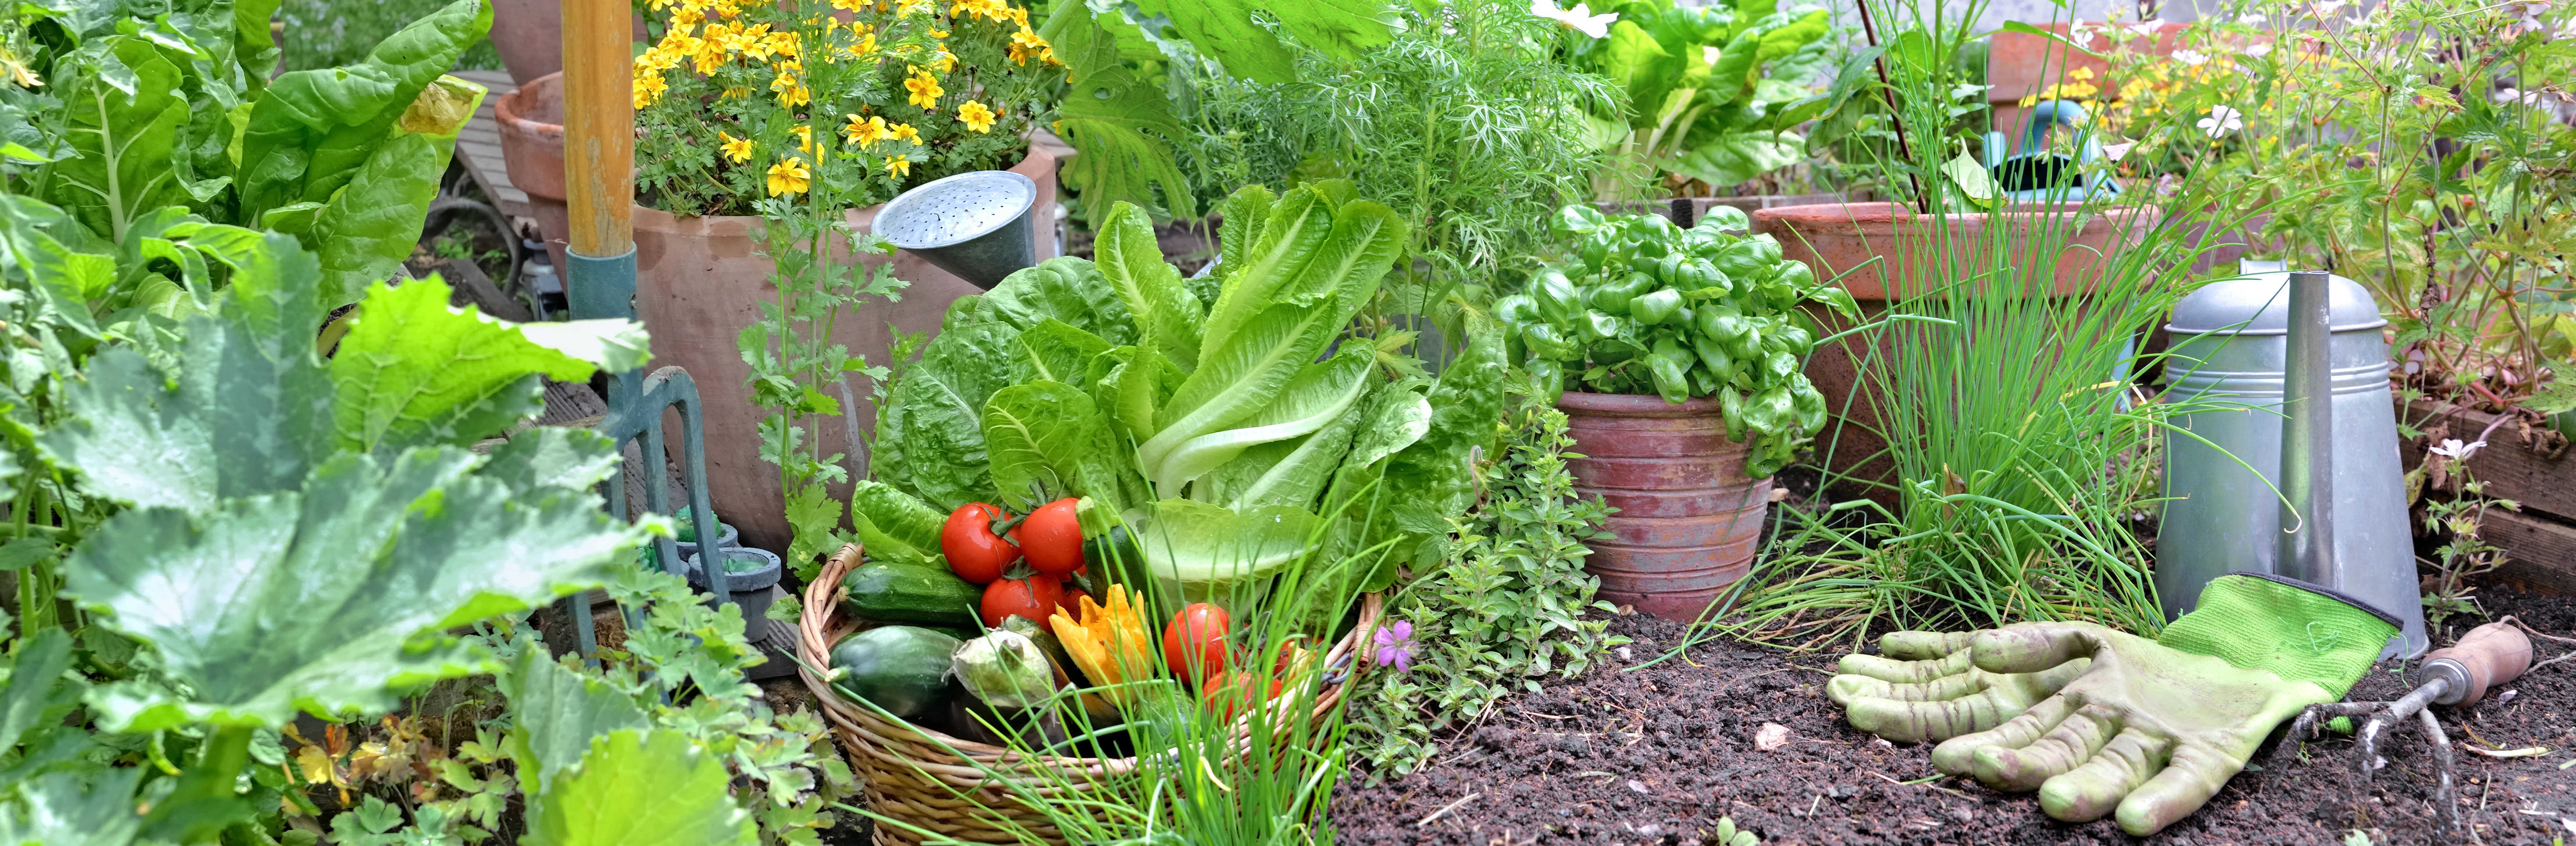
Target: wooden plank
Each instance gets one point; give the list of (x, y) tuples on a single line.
[(2542, 483), (2541, 552)]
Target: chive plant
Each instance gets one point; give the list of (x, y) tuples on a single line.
[(2023, 443)]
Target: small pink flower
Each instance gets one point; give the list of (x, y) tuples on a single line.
[(1395, 646)]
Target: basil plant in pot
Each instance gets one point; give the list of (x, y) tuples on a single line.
[(1676, 355)]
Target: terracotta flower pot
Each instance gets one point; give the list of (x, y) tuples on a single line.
[(532, 149), (1688, 517), (1911, 253), (529, 36), (700, 280)]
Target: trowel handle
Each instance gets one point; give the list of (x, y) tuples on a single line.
[(2488, 655)]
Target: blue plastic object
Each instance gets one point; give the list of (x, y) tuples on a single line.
[(2042, 176)]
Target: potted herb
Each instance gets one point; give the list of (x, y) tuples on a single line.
[(1677, 353), (1712, 93), (764, 133)]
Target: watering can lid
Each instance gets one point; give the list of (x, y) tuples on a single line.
[(2257, 302), (956, 209)]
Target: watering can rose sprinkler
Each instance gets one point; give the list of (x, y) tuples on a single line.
[(2287, 614)]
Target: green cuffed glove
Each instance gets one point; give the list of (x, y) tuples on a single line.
[(2145, 729), (1921, 686)]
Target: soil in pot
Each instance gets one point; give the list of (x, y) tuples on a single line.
[(1658, 755), (1687, 518)]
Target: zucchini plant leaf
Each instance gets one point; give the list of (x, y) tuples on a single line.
[(92, 806), (1123, 125), (640, 788), (332, 598), (414, 372), (558, 712)]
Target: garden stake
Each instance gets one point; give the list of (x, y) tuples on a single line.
[(2461, 675)]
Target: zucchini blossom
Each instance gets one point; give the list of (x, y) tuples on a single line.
[(1108, 644)]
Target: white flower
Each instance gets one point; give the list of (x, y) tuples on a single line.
[(2526, 17), (2511, 95), (2147, 27), (2221, 120), (2116, 151), (1580, 18), (2256, 51), (2190, 57), (2451, 448)]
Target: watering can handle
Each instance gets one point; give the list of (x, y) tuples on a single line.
[(2048, 114)]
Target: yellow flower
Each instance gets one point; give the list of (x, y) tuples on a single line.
[(1107, 643), (753, 42), (866, 132), (788, 177), (804, 137), (905, 8), (783, 43), (1026, 43), (938, 35), (1020, 15), (2080, 73), (648, 88), (943, 61), (903, 132), (737, 149), (865, 46), (735, 92), (687, 18), (925, 89), (655, 60), (976, 116), (791, 91), (898, 166), (992, 10), (681, 45)]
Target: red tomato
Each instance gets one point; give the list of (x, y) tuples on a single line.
[(1052, 538), (974, 552), (1194, 642), (1073, 597), (1034, 597), (1228, 694)]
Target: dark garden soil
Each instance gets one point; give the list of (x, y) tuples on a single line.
[(1660, 754)]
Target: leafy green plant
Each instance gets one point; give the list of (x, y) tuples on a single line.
[(2464, 554), (328, 34), (1506, 608), (1712, 92), (181, 113)]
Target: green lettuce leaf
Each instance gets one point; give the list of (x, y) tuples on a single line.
[(930, 432), (1201, 549), (1047, 441), (1315, 397), (1055, 351), (1066, 289), (1132, 262)]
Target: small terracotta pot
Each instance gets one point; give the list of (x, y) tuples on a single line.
[(1688, 518), (700, 280), (1911, 251)]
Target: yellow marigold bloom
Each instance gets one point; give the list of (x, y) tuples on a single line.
[(735, 92), (865, 46), (898, 166), (938, 35), (976, 116), (795, 95), (655, 60), (866, 132), (925, 89), (987, 9), (1107, 643), (687, 18), (783, 43), (850, 5), (2080, 73), (681, 45), (648, 88), (1020, 15), (737, 149), (1026, 43), (789, 177), (905, 8), (727, 9), (903, 132)]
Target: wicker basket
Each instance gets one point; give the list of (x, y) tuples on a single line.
[(909, 772)]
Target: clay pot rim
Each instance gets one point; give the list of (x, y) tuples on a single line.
[(1636, 405), (505, 109)]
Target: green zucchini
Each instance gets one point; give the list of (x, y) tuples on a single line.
[(902, 669), (908, 592)]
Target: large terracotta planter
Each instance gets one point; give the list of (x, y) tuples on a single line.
[(1912, 252), (532, 150), (529, 36), (1688, 519), (700, 280)]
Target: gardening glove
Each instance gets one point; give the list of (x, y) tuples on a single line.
[(2152, 728), (1921, 686)]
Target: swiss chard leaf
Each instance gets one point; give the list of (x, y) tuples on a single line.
[(315, 129), (127, 140)]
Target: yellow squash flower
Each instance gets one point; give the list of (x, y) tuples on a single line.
[(1107, 644), (789, 177), (866, 132), (925, 89), (737, 149), (976, 116), (898, 166)]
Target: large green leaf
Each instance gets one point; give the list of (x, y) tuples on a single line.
[(64, 280), (1736, 157), (1055, 351), (930, 432), (1342, 29), (1297, 228), (1068, 289), (1050, 436), (91, 807), (1291, 472), (331, 599), (1202, 547), (1225, 31), (558, 712), (1123, 125), (39, 695), (414, 372), (1315, 397), (1633, 58), (125, 128), (368, 226), (1132, 262), (641, 789), (316, 129)]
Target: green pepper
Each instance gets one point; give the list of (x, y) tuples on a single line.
[(1712, 354), (1545, 341), (1655, 307), (1671, 368), (1557, 300), (1731, 403), (1516, 309), (1596, 326), (1613, 296)]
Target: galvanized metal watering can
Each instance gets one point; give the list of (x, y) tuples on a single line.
[(2299, 475)]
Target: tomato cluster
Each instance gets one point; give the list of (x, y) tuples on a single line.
[(1028, 566)]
